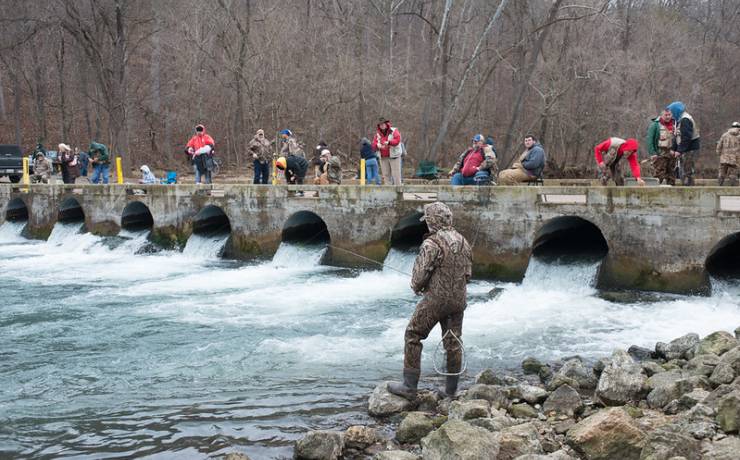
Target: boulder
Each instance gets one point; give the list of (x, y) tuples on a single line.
[(732, 358), (600, 365), (427, 400), (395, 455), (692, 398), (531, 365), (640, 353), (651, 368), (495, 395), (558, 380), (608, 434), (459, 440), (723, 373), (717, 343), (488, 377), (360, 437), (666, 390), (519, 440), (565, 401), (557, 455), (413, 427), (575, 369), (677, 348), (621, 382), (737, 333), (320, 445), (469, 409), (724, 449), (496, 423), (529, 393), (670, 441), (383, 403), (728, 412), (522, 410), (717, 394), (702, 364)]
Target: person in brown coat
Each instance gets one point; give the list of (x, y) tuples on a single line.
[(68, 162), (441, 273), (728, 150), (259, 146)]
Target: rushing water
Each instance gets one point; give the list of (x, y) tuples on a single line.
[(107, 350)]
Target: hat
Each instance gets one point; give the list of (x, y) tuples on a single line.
[(736, 124), (64, 148), (286, 132), (489, 140), (259, 131), (478, 138), (382, 120), (280, 163), (325, 153), (200, 128)]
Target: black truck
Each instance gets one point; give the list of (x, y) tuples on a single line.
[(11, 162)]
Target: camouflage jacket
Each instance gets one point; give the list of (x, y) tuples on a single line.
[(728, 147), (333, 170), (260, 147), (292, 147), (444, 266)]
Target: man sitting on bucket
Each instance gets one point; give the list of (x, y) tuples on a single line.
[(441, 273)]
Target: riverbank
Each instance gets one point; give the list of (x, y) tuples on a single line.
[(680, 400)]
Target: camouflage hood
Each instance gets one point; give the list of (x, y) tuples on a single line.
[(437, 216)]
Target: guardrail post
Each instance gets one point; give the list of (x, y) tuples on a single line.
[(119, 170), (362, 171)]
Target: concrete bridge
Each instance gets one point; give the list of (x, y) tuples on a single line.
[(652, 238)]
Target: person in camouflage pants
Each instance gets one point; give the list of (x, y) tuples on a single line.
[(441, 273)]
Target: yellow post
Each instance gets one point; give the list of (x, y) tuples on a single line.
[(274, 171), (26, 175), (119, 170), (362, 171)]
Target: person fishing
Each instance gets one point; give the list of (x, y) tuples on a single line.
[(441, 274)]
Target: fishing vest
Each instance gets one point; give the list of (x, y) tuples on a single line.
[(616, 142), (678, 127), (665, 136)]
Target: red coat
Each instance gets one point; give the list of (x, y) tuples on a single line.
[(472, 160), (629, 145), (391, 136), (200, 140)]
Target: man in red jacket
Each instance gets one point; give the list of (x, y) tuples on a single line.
[(386, 141), (200, 149), (609, 153)]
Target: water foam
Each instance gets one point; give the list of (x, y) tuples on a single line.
[(10, 232), (298, 256), (205, 247)]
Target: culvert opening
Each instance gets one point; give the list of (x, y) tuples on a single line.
[(409, 232), (70, 211), (211, 220), (16, 211), (136, 217), (305, 227), (569, 238), (724, 260)]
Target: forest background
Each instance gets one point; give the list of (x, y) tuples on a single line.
[(139, 74)]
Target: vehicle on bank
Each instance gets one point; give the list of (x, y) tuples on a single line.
[(11, 162)]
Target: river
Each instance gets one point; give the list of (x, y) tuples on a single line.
[(110, 350)]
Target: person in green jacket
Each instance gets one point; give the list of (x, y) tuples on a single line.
[(101, 162), (660, 147)]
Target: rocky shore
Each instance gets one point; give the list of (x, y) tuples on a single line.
[(680, 400)]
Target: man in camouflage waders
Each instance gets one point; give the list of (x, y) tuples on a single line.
[(441, 273)]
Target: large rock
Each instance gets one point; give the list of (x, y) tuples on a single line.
[(469, 409), (728, 412), (519, 440), (360, 437), (737, 333), (383, 403), (717, 343), (732, 358), (668, 390), (495, 423), (531, 365), (557, 455), (320, 445), (488, 377), (522, 410), (622, 381), (724, 449), (640, 353), (395, 455), (565, 401), (651, 368), (723, 373), (575, 370), (608, 434), (670, 441), (529, 393), (458, 440), (495, 395), (702, 364), (677, 348), (413, 427)]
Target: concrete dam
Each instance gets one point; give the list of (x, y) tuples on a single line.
[(669, 239)]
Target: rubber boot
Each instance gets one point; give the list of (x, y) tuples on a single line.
[(451, 385), (407, 389)]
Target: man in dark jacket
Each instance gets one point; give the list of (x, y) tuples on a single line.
[(686, 141), (101, 162), (295, 168), (441, 273), (529, 167)]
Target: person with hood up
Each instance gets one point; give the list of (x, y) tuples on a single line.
[(467, 168), (41, 168), (660, 147), (728, 150), (261, 154), (147, 177), (200, 149), (291, 146), (68, 162), (371, 161), (608, 156), (441, 274), (686, 141), (331, 169), (529, 167), (295, 168), (386, 142), (100, 160)]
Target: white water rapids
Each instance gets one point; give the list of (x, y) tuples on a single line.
[(108, 351)]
